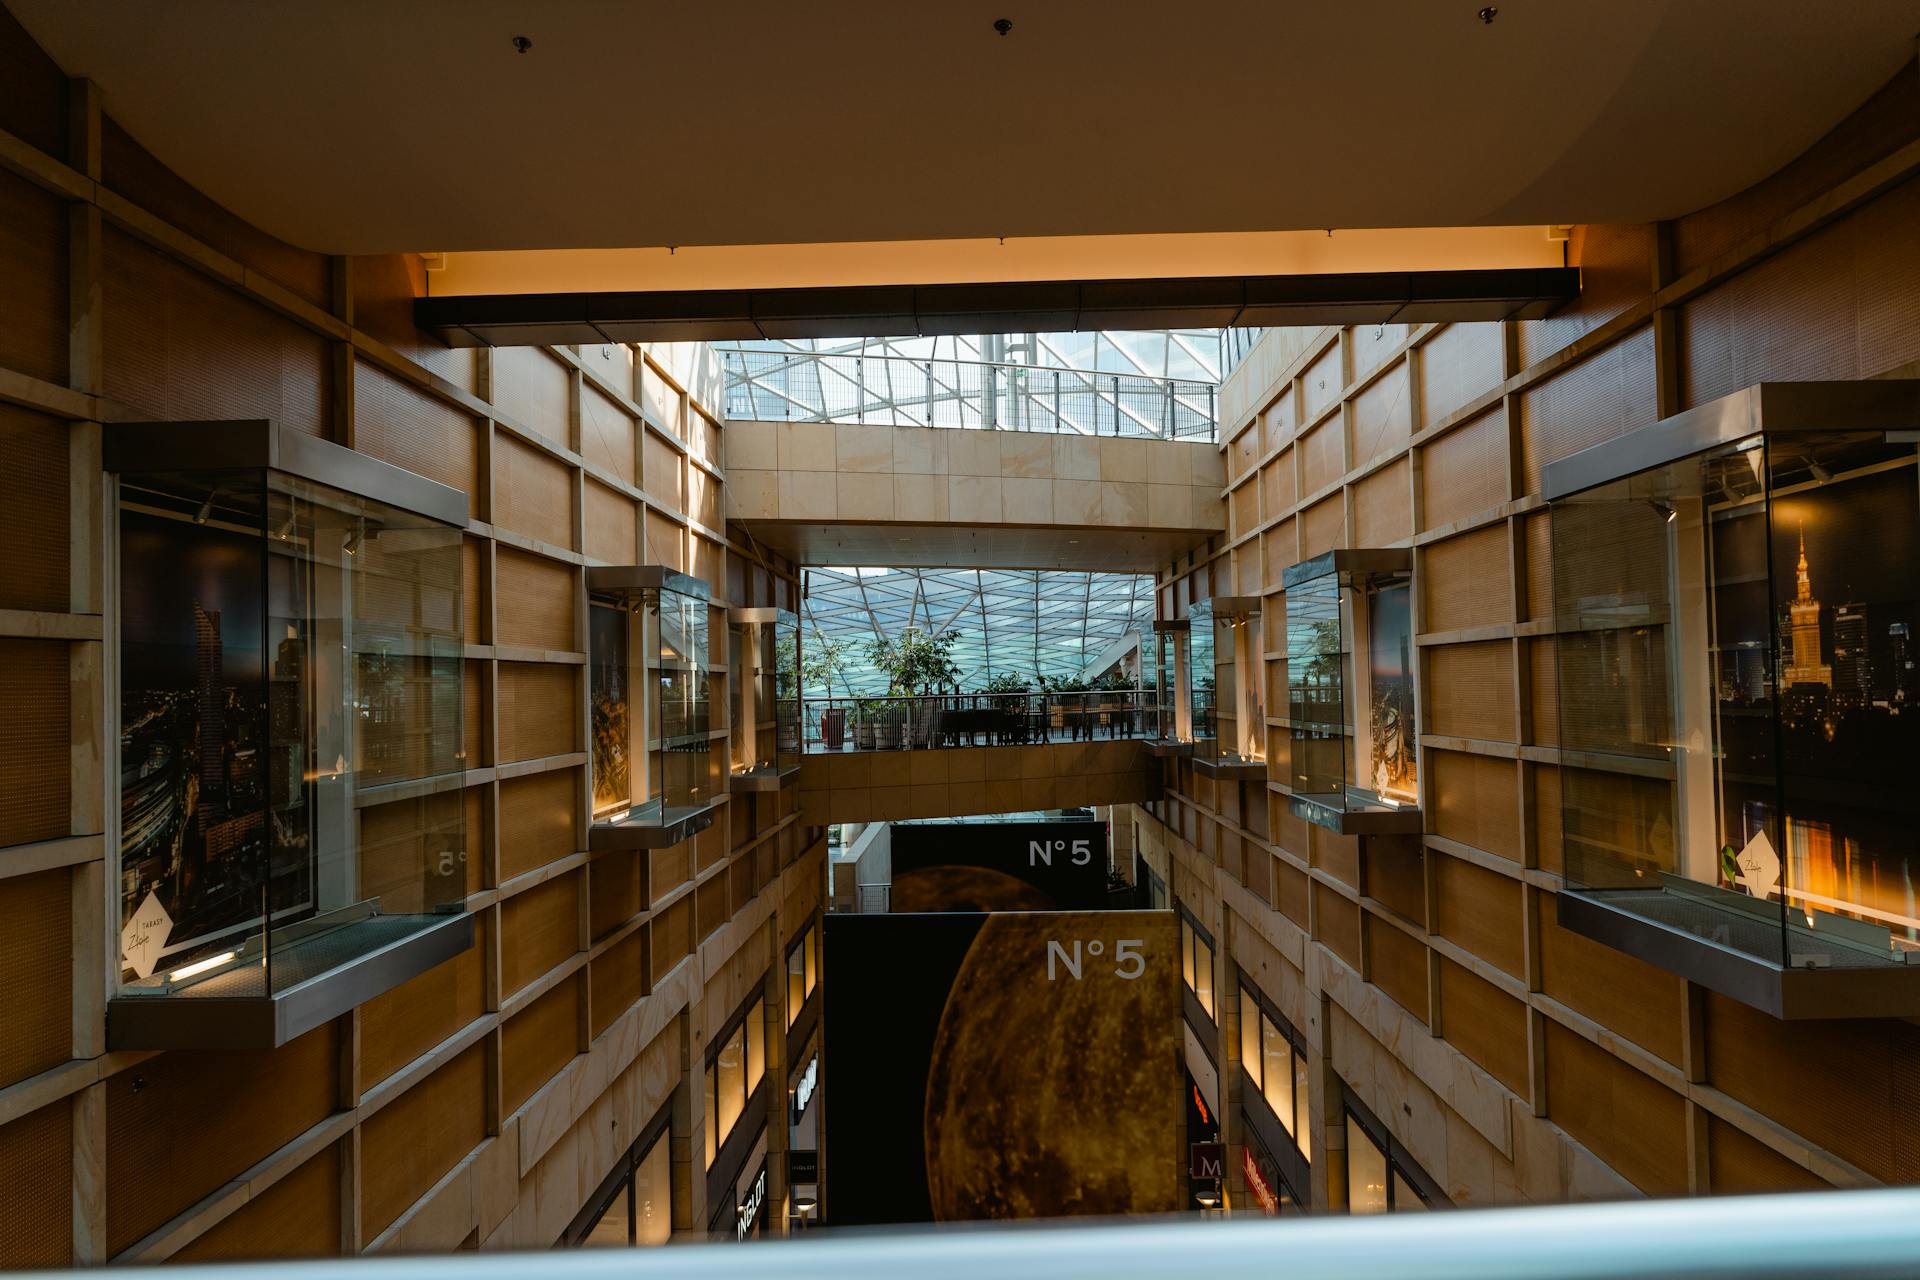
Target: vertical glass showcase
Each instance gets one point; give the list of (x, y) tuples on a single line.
[(1353, 739), (764, 652), (1229, 718), (1171, 735), (291, 827), (653, 751), (1735, 591)]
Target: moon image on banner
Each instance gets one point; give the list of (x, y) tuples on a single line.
[(956, 888), (1047, 1098)]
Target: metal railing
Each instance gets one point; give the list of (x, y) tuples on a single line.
[(975, 719), (900, 391), (1840, 1235)]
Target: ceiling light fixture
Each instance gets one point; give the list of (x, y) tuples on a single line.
[(1003, 25), (521, 44), (1488, 14)]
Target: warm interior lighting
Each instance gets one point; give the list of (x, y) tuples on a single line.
[(201, 966)]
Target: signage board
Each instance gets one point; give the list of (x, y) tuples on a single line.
[(1038, 865), (803, 1168), (1207, 1160)]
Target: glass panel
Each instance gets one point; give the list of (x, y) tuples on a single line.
[(784, 636), (1366, 1171), (1186, 953), (1316, 690), (612, 708), (1405, 1198), (653, 1194), (813, 958), (1388, 726), (730, 1083), (712, 1126), (796, 981), (1279, 1071), (678, 694), (1202, 678), (1301, 1131), (1250, 1035), (614, 1230), (286, 650), (1203, 973), (1162, 685), (756, 1046)]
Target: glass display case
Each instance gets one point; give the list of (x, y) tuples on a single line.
[(1735, 590), (1228, 715), (764, 652), (1171, 732), (1353, 739), (290, 837), (655, 760)]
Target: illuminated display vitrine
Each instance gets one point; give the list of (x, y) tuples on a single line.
[(1353, 736), (655, 759), (1172, 734), (1735, 590), (764, 653), (1224, 687), (291, 832)]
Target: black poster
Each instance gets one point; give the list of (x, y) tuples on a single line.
[(999, 866), (1011, 1065)]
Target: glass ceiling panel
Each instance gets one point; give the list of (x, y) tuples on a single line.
[(1028, 622)]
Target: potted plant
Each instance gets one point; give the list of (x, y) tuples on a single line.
[(823, 660), (918, 663)]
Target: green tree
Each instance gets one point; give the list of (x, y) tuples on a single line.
[(916, 662), (824, 659)]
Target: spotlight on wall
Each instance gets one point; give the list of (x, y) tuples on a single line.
[(354, 536), (206, 508)]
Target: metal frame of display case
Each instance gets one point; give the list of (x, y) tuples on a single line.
[(624, 583), (1667, 921), (1368, 818), (195, 1015), (761, 780), (1169, 748), (1238, 769)]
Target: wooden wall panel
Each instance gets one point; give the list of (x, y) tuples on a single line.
[(537, 1042), (537, 814), (619, 979), (1398, 966), (1458, 365), (539, 928), (411, 1143), (1370, 345), (1589, 1092), (1464, 472), (1276, 485), (473, 714), (1337, 855), (665, 542), (606, 434), (537, 705), (1851, 1086), (1616, 271), (297, 1217), (1599, 398), (1543, 689), (1337, 923), (414, 852), (1465, 581), (1547, 843), (612, 524), (1469, 690), (1280, 550), (1290, 891), (34, 738), (1383, 507), (662, 401), (537, 598), (1320, 384), (1395, 869), (400, 1025), (1643, 1003), (1475, 800), (33, 507), (530, 388), (1323, 526), (36, 1168), (532, 492), (1277, 423), (35, 939), (1480, 911), (384, 288), (1738, 1164), (33, 280), (672, 940), (1485, 1023), (662, 471), (182, 1124), (1382, 416), (1322, 460), (397, 423), (475, 607), (616, 890), (33, 99), (181, 346), (1537, 589)]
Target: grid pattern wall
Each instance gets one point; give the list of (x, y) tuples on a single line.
[(511, 1066), (1515, 1060)]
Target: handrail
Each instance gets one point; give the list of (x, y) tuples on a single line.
[(882, 722), (835, 386), (1839, 1235)]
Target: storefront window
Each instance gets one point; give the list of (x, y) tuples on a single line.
[(1366, 1171), (800, 972), (1381, 1175), (735, 1072), (1301, 1128), (1277, 1071), (634, 1206), (1196, 964)]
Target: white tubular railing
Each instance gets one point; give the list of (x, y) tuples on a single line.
[(1850, 1235)]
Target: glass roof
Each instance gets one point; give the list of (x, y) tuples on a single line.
[(1029, 622)]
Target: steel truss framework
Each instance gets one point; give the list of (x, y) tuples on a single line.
[(1161, 383), (1029, 622)]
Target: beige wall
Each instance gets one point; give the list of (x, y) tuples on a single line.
[(1516, 1060), (483, 1101)]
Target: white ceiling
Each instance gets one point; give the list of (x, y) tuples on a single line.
[(372, 126)]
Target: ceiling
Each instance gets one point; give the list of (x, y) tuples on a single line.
[(365, 126), (966, 546)]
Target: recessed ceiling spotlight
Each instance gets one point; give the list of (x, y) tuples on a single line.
[(521, 44), (1488, 14), (1003, 25)]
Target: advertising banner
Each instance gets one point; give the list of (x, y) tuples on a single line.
[(1039, 865), (1006, 1065)]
